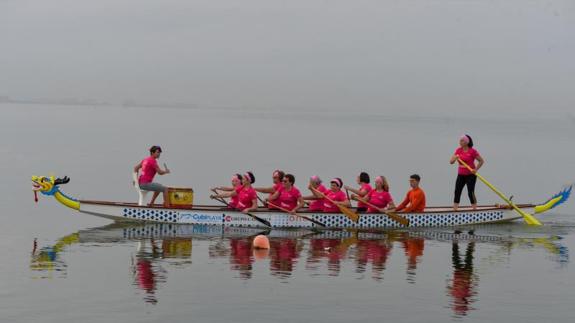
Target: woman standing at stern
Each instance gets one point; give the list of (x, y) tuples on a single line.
[(469, 155)]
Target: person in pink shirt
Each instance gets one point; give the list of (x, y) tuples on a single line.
[(289, 197), (247, 199), (337, 195), (469, 155), (236, 187), (149, 168), (364, 189), (380, 196), (277, 177), (316, 202)]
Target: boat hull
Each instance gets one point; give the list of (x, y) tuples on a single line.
[(437, 217)]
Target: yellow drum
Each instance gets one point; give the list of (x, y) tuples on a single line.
[(181, 197)]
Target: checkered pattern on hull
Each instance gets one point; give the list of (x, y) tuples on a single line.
[(339, 220), (422, 220), (151, 215)]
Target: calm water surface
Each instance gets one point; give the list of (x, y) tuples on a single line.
[(62, 266)]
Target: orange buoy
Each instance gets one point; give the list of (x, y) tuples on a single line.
[(260, 254), (261, 242)]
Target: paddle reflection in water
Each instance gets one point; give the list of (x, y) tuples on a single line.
[(161, 247)]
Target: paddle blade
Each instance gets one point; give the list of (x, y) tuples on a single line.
[(530, 219), (398, 218), (349, 213)]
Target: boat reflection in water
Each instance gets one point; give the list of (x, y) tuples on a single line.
[(159, 247)]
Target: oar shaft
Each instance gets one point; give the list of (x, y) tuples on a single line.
[(530, 219), (347, 212), (301, 216), (391, 215)]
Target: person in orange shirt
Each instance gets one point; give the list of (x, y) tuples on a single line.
[(415, 199)]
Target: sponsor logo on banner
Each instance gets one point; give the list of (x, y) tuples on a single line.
[(235, 218), (200, 218)]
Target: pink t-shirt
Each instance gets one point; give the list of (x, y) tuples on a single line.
[(148, 171), (234, 200), (288, 199), (468, 157), (338, 196), (379, 199), (368, 189), (277, 187), (246, 198), (317, 205)]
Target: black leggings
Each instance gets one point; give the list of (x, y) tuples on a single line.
[(461, 181)]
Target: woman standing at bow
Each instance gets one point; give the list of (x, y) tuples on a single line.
[(469, 155)]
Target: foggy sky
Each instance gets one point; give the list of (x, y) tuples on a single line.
[(395, 55)]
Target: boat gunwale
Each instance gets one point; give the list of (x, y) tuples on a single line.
[(443, 209)]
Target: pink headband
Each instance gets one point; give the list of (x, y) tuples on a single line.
[(464, 138), (338, 181), (315, 179), (276, 173)]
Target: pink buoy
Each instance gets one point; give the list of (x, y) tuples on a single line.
[(261, 242)]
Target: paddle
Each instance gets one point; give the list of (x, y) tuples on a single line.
[(529, 219), (349, 213), (394, 216), (296, 214), (263, 221)]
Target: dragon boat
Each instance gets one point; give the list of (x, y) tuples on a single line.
[(264, 218)]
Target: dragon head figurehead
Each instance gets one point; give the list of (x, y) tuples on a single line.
[(47, 185)]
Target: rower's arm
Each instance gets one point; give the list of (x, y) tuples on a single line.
[(224, 188), (300, 204), (274, 196), (353, 190), (253, 207), (264, 189), (226, 194), (403, 204), (359, 198)]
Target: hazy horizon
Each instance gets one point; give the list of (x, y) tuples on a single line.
[(398, 56)]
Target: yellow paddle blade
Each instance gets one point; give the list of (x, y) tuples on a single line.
[(349, 213), (529, 219), (398, 218)]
